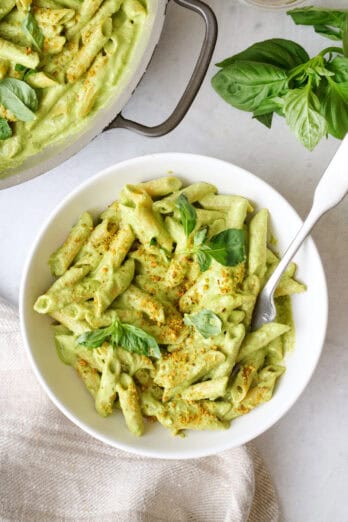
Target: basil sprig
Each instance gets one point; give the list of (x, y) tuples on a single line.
[(328, 22), (278, 52), (206, 322), (33, 32), (277, 76), (187, 212), (5, 129), (227, 247), (18, 97), (127, 336)]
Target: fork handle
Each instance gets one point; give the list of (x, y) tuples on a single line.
[(333, 186), (331, 189)]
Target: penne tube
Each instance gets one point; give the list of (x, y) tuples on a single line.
[(193, 192), (110, 375), (40, 80), (23, 5), (6, 7), (160, 187), (130, 404), (145, 303), (93, 43), (260, 338), (258, 230), (62, 258), (18, 54)]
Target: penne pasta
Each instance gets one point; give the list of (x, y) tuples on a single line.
[(152, 328)]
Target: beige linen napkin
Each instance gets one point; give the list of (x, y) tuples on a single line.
[(51, 470)]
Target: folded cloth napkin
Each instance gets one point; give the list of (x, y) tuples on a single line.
[(50, 470)]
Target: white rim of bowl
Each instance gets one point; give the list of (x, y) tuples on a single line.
[(72, 417)]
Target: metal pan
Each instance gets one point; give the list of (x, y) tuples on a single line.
[(110, 117)]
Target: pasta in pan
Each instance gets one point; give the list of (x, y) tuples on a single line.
[(60, 61), (153, 306)]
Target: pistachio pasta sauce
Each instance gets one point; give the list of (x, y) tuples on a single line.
[(73, 53), (153, 305)]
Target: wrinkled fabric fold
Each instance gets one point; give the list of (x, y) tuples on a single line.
[(50, 470)]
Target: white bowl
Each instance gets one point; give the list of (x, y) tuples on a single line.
[(61, 382)]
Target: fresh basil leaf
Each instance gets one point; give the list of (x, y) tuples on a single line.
[(276, 51), (200, 237), (19, 98), (302, 114), (134, 339), (339, 66), (32, 30), (20, 68), (228, 247), (314, 70), (245, 85), (329, 32), (188, 214), (127, 336), (205, 322), (345, 37), (315, 73), (318, 16), (203, 260), (5, 129), (335, 108), (95, 338), (153, 241), (265, 119), (270, 105)]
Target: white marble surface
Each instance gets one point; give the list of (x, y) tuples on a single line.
[(307, 450)]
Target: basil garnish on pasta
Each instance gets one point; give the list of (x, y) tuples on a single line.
[(19, 98), (5, 129), (188, 214), (33, 32), (205, 322), (132, 272), (227, 247), (127, 336)]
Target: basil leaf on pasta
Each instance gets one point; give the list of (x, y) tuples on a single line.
[(200, 237), (95, 338), (20, 68), (18, 97), (136, 340), (188, 214), (5, 129), (203, 259), (228, 247), (33, 32), (126, 336), (205, 322)]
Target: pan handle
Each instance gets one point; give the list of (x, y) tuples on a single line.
[(185, 102)]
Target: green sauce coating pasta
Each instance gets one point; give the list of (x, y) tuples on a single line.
[(126, 282)]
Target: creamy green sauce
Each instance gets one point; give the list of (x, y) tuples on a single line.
[(59, 114), (285, 316)]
